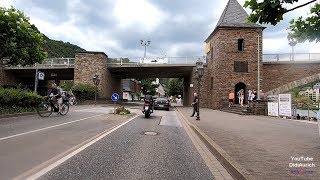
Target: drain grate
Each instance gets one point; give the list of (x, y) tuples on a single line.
[(150, 133)]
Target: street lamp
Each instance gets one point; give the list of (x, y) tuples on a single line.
[(96, 81), (200, 72), (292, 43), (145, 44)]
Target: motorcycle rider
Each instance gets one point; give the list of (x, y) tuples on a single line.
[(148, 98)]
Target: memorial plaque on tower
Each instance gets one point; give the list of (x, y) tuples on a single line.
[(240, 66)]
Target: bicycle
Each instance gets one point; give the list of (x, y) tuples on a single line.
[(46, 108), (73, 101)]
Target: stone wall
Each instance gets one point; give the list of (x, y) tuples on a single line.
[(285, 76), (8, 78), (87, 64), (221, 66)]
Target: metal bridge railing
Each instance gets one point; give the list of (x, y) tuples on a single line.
[(287, 57), (155, 60), (58, 62), (47, 63)]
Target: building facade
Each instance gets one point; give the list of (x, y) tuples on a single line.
[(233, 50)]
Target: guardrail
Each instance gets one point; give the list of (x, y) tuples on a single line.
[(287, 57)]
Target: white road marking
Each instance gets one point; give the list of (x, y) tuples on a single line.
[(60, 161), (41, 129), (96, 110)]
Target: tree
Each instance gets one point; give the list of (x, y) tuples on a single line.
[(19, 42), (272, 11), (175, 87), (148, 85)]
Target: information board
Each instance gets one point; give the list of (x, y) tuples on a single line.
[(285, 105)]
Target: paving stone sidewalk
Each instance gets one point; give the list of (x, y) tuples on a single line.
[(264, 146)]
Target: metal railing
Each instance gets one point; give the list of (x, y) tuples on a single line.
[(268, 58), (155, 60), (289, 57), (47, 63)]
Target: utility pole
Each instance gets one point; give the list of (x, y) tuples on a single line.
[(258, 89), (36, 80)]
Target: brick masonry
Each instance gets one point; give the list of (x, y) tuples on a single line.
[(220, 67), (287, 76), (8, 78), (87, 64)]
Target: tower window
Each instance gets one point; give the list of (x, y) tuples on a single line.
[(241, 44), (211, 87), (211, 53)]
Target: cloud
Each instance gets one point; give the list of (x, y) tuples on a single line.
[(175, 28)]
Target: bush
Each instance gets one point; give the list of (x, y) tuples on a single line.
[(17, 100), (84, 91), (121, 111)]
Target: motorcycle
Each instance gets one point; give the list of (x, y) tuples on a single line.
[(147, 109)]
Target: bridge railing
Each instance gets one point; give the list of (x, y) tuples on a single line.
[(296, 57), (58, 62), (48, 62), (155, 60)]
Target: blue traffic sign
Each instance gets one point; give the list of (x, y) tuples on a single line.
[(115, 97), (41, 75)]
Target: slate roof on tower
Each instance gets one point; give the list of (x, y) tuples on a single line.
[(233, 16)]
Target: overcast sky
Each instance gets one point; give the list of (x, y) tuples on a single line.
[(174, 27)]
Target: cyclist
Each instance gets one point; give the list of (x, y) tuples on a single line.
[(56, 93)]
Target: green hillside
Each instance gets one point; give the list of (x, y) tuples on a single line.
[(59, 49)]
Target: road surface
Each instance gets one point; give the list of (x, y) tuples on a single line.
[(87, 144)]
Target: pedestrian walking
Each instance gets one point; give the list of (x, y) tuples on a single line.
[(231, 99), (250, 97), (240, 96), (195, 104), (255, 94)]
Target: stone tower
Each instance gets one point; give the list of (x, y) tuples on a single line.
[(232, 56)]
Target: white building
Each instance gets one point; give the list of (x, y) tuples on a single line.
[(160, 92), (313, 94)]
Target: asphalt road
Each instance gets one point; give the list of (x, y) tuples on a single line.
[(129, 154), (26, 142), (29, 144)]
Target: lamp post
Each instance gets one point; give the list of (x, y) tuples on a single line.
[(200, 71), (258, 89), (145, 44), (292, 43), (96, 81)]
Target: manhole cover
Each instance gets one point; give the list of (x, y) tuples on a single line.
[(150, 133)]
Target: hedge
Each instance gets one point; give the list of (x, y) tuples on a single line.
[(84, 91), (17, 100)]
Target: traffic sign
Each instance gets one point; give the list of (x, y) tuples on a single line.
[(41, 75), (115, 97)]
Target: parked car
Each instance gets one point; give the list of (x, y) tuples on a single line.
[(162, 103)]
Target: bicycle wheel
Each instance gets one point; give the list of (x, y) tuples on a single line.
[(44, 109), (64, 109)]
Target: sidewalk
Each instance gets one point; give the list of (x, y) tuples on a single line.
[(263, 146)]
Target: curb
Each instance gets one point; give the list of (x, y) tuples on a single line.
[(17, 115), (234, 168)]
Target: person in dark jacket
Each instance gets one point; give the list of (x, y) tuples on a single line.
[(195, 104)]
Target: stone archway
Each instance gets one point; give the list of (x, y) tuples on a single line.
[(237, 88)]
